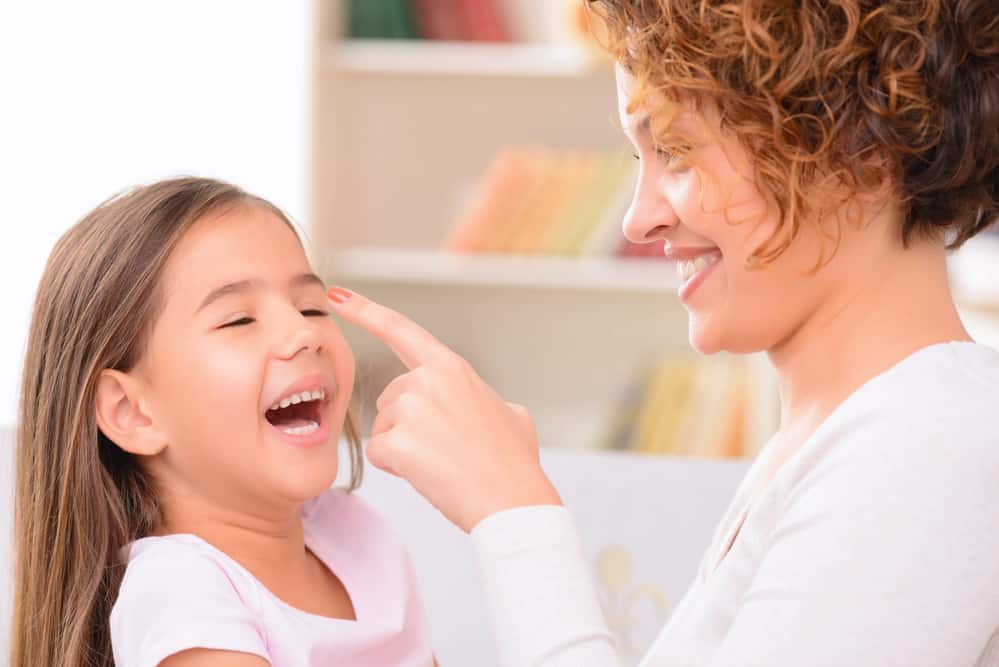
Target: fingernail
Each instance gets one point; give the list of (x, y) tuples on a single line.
[(339, 294)]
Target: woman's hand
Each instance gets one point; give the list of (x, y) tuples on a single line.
[(443, 429)]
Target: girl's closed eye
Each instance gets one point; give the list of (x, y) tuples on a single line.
[(239, 322), (245, 320)]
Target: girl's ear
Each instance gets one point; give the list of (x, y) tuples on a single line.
[(121, 415)]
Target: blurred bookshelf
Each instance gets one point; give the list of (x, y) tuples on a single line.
[(975, 273), (436, 267), (434, 58), (427, 138)]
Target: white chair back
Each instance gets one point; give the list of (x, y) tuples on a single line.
[(645, 523)]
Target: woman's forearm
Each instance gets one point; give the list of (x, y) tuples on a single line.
[(542, 604)]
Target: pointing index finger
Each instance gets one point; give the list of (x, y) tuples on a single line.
[(413, 344)]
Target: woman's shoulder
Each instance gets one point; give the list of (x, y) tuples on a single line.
[(951, 388), (935, 415)]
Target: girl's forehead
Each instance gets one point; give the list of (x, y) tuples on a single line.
[(233, 246)]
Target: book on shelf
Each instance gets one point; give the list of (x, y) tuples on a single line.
[(541, 201), (685, 406), (557, 22), (381, 19), (451, 20)]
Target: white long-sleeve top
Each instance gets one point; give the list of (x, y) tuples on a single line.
[(876, 544)]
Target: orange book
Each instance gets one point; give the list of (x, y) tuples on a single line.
[(491, 205)]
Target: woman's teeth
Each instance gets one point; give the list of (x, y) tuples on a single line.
[(311, 427), (688, 268), (303, 397)]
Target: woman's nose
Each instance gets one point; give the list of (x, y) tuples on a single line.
[(650, 216)]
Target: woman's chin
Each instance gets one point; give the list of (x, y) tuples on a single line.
[(703, 336)]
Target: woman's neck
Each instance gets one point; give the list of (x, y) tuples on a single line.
[(883, 307)]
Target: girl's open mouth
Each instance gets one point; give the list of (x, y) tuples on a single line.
[(301, 417)]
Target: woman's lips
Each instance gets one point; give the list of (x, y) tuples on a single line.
[(693, 266)]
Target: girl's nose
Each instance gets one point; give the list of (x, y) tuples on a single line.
[(299, 334), (650, 216)]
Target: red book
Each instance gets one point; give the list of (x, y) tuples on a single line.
[(484, 22), (439, 19)]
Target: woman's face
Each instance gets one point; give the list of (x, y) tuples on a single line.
[(712, 217), (244, 327)]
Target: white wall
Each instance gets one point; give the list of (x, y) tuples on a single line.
[(103, 94)]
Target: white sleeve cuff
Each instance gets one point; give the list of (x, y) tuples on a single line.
[(539, 590)]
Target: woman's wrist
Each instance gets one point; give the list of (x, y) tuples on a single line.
[(538, 493)]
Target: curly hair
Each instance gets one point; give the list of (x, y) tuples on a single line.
[(861, 91)]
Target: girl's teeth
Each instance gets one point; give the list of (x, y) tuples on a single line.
[(311, 427), (303, 397)]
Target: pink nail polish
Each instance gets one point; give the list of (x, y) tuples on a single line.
[(339, 294)]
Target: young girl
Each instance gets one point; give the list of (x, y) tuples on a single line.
[(184, 392)]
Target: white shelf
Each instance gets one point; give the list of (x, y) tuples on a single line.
[(402, 266), (428, 57), (974, 273)]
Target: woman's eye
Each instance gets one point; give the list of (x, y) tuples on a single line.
[(241, 322), (315, 312), (665, 155)]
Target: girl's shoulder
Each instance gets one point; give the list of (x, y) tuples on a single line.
[(179, 592), (175, 568)]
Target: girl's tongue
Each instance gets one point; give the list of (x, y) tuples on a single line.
[(295, 416)]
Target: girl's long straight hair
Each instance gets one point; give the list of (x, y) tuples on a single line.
[(79, 499)]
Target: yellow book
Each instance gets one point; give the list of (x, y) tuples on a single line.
[(587, 208), (561, 186), (580, 169), (582, 209), (541, 167), (665, 437), (603, 235), (663, 407), (649, 410)]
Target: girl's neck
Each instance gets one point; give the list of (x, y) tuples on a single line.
[(885, 309), (261, 542)]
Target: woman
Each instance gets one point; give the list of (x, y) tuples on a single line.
[(808, 164)]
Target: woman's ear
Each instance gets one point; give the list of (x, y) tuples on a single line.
[(121, 415)]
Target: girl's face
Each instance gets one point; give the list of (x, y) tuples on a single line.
[(713, 218), (245, 327)]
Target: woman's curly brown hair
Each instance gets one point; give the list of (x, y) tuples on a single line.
[(904, 92)]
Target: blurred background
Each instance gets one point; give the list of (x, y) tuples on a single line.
[(458, 160)]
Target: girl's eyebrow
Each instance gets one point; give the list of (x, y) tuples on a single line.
[(242, 286)]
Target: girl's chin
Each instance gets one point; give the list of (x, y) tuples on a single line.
[(303, 483)]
